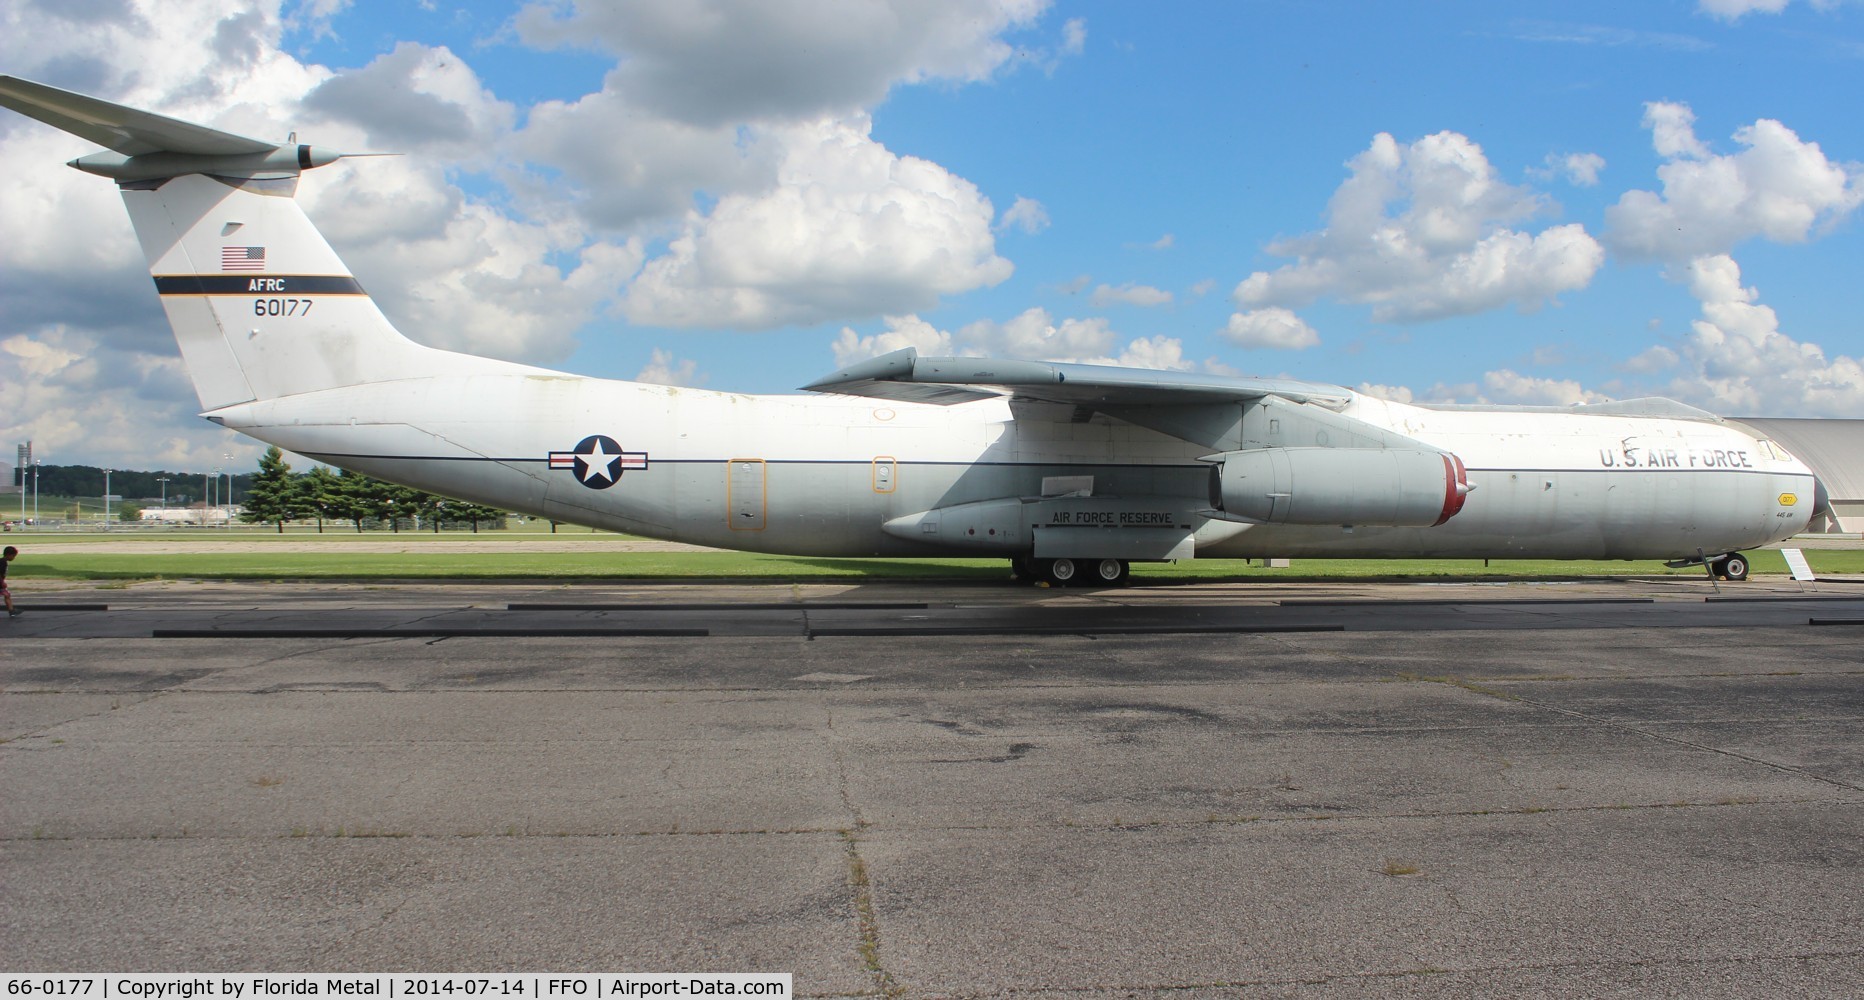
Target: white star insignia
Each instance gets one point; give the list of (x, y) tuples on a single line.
[(598, 463)]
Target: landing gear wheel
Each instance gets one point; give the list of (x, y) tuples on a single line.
[(1060, 572), (1023, 569), (1733, 568), (1111, 572)]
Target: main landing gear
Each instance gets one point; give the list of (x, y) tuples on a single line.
[(1732, 567), (1065, 571)]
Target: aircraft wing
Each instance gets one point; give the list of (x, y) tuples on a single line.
[(905, 376)]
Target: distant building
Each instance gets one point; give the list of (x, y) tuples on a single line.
[(9, 480), (1835, 450), (190, 515)]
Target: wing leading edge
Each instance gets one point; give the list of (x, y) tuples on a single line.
[(905, 376)]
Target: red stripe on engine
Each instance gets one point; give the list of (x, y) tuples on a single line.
[(1455, 487)]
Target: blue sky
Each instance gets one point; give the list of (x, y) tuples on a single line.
[(1538, 203)]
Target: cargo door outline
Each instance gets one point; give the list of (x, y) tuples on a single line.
[(745, 494)]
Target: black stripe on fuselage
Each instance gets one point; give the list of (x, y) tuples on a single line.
[(257, 284), (336, 458)]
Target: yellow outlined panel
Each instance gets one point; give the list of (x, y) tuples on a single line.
[(746, 495)]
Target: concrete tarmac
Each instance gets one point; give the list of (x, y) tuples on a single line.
[(1310, 790)]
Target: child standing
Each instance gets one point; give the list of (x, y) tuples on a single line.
[(7, 557)]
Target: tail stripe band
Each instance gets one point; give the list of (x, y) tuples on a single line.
[(252, 284)]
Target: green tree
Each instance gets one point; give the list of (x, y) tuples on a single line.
[(354, 498), (129, 512), (389, 502), (274, 496), (320, 491), (418, 504), (476, 513)]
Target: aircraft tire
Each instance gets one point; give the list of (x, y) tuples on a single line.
[(1060, 572), (1110, 572), (1733, 567)]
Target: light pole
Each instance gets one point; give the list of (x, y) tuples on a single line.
[(210, 495), (164, 481), (107, 473), (229, 494), (36, 463)]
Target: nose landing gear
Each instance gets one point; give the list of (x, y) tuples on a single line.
[(1732, 567)]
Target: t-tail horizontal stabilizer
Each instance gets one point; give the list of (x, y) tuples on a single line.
[(148, 146), (261, 306)]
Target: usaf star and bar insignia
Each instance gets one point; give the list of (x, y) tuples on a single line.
[(598, 461)]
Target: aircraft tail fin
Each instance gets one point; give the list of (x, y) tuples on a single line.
[(260, 304)]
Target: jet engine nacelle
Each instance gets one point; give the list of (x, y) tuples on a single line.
[(1386, 487)]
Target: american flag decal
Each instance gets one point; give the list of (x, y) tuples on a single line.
[(242, 258)]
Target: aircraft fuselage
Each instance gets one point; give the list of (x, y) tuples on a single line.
[(824, 475)]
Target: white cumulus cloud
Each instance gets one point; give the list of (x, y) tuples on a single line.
[(716, 62), (901, 332), (849, 230), (1271, 327), (1395, 393), (1421, 232), (1033, 334), (663, 368), (1735, 360), (1734, 10), (1129, 294), (1777, 187), (1581, 169), (1509, 386), (80, 400), (1026, 214)]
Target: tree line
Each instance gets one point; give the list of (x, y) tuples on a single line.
[(181, 488), (277, 495)]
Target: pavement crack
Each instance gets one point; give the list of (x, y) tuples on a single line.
[(1692, 744), (866, 921), (838, 752)]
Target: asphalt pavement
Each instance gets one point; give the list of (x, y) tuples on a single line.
[(1318, 790)]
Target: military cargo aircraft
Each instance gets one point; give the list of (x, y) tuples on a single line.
[(1071, 472)]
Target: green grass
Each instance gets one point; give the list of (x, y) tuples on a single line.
[(265, 534), (573, 565)]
